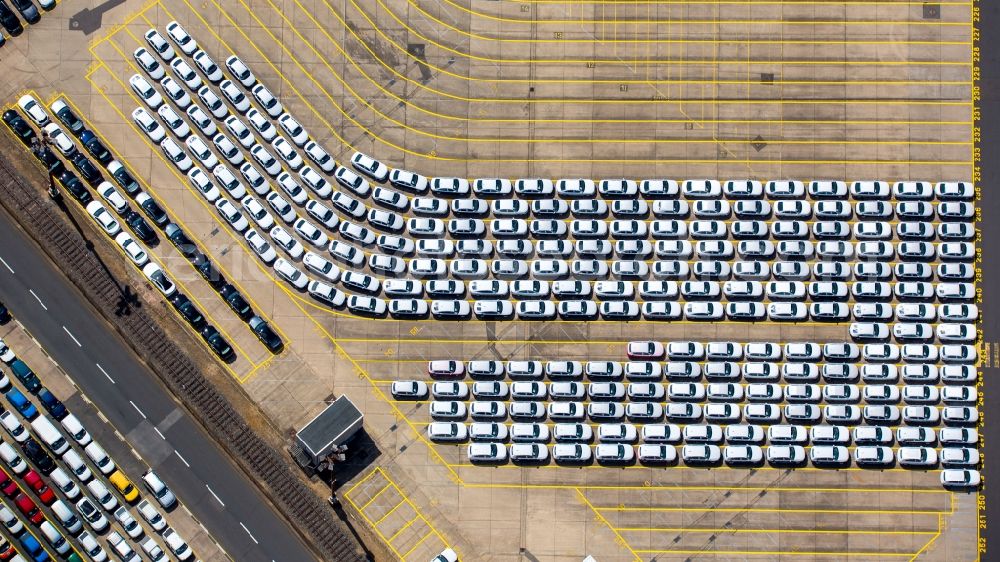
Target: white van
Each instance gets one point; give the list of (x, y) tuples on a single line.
[(156, 485), (63, 481), (76, 430), (49, 435), (76, 464), (100, 458), (54, 537), (66, 517)]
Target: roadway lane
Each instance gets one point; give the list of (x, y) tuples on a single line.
[(131, 396), (989, 202)]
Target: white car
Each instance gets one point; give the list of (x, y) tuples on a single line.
[(132, 249), (203, 184), (260, 246), (293, 129), (408, 390), (287, 152), (159, 279), (160, 45), (290, 273), (63, 143), (181, 38), (447, 432), (240, 71), (33, 110), (227, 149), (208, 66), (177, 126), (145, 91), (148, 63), (148, 124), (370, 167), (267, 100), (186, 74), (284, 240), (199, 148), (232, 215), (103, 218)]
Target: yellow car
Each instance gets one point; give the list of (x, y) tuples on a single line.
[(124, 486)]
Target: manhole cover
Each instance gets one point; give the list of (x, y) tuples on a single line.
[(932, 11), (758, 143), (767, 78)]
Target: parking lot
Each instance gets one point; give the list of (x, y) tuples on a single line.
[(850, 93)]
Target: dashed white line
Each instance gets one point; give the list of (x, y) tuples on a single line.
[(7, 265), (105, 373), (37, 298), (137, 409), (210, 491), (183, 460), (72, 337), (157, 430), (253, 538)]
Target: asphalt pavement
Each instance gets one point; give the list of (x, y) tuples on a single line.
[(131, 397)]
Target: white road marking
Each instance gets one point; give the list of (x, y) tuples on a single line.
[(157, 430), (249, 533), (210, 491), (70, 334), (137, 409), (105, 373), (183, 460), (38, 299), (7, 265)]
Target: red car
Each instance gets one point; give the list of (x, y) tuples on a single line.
[(7, 484), (7, 550), (44, 493), (29, 509)]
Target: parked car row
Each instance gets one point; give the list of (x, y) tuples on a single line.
[(75, 490), (110, 224), (703, 455)]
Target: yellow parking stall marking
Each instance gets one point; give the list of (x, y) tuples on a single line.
[(597, 515), (417, 515), (405, 126), (405, 527), (232, 341), (377, 494), (416, 544), (116, 28), (393, 145), (772, 553), (771, 510), (940, 523)]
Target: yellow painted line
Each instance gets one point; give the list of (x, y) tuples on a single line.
[(940, 523), (683, 468), (663, 488), (416, 544), (390, 512), (773, 510), (377, 494), (377, 470), (703, 22), (405, 527), (364, 101), (597, 515), (772, 553), (778, 531), (633, 22)]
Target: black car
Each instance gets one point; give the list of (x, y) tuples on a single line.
[(209, 272), (51, 162), (9, 21), (69, 119), (152, 209), (88, 171), (28, 10), (38, 456), (124, 179), (218, 343), (182, 242), (75, 187), (236, 302), (266, 335), (27, 377), (188, 310), (19, 126), (4, 314), (52, 404), (139, 226), (96, 148)]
